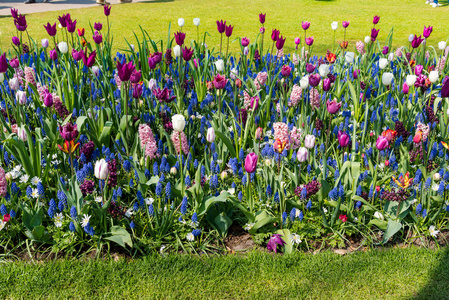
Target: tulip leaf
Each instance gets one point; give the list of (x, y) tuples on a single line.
[(227, 142), (392, 228), (262, 218)]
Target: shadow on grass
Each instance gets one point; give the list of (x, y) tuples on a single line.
[(156, 1), (437, 287)]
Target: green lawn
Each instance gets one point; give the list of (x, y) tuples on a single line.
[(389, 274), (404, 15)]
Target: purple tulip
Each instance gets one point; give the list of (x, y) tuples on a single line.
[(21, 23), (14, 13), (89, 61), (16, 41), (220, 82), (53, 54), (343, 138), (157, 57), (97, 37), (107, 10), (77, 55), (286, 71), (345, 24), (179, 38), (326, 84), (427, 31), (245, 42), (187, 53), (314, 79), (48, 99), (251, 162), (418, 70), (385, 50), (69, 132), (381, 143), (14, 63), (51, 29), (63, 20), (262, 18), (297, 41), (274, 241), (3, 63), (305, 25), (280, 42), (310, 68), (221, 26), (135, 76), (152, 63), (275, 35), (137, 91), (163, 95), (71, 25), (374, 33), (228, 30), (405, 88), (355, 74), (309, 41), (125, 70), (445, 88), (417, 41), (333, 106), (376, 20)]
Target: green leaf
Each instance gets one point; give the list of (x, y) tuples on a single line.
[(392, 228), (262, 218), (227, 142), (288, 247), (120, 236), (208, 201)]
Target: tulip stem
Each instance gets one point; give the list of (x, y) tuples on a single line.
[(180, 164), (221, 43)]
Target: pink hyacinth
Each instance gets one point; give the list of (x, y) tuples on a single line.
[(314, 98), (118, 82), (295, 137), (295, 59), (446, 51), (398, 52), (280, 53), (424, 129), (30, 76), (14, 128), (3, 183), (295, 96), (260, 80), (147, 141), (246, 99), (42, 90), (440, 65), (19, 75), (184, 143), (281, 133), (360, 46), (427, 55)]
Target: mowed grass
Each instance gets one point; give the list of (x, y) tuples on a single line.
[(391, 274), (405, 16)]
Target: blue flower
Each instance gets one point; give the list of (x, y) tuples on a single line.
[(73, 213), (72, 227), (309, 205), (196, 232), (184, 205)]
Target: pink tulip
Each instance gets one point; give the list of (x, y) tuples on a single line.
[(251, 162)]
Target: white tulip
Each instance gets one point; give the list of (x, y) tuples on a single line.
[(152, 84), (177, 51), (101, 169), (436, 176), (378, 215), (2, 77), (14, 83), (304, 82), (178, 122), (21, 97), (22, 134), (302, 154), (44, 43), (196, 21), (387, 78), (410, 80), (323, 70), (96, 71), (132, 46), (234, 73), (433, 76), (383, 62), (349, 57), (442, 45), (309, 141), (334, 25), (181, 22), (411, 37), (59, 26), (219, 64), (367, 39), (63, 47), (210, 136), (447, 111), (391, 56), (245, 51)]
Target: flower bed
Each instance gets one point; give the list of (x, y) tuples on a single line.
[(167, 144)]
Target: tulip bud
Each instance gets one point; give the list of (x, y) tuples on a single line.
[(96, 71), (383, 62), (22, 134), (302, 154), (349, 57), (210, 136), (245, 51), (405, 88), (442, 45), (323, 70), (178, 122), (304, 82), (181, 22), (63, 47), (251, 163), (334, 25), (391, 56), (259, 133), (14, 83), (234, 73), (367, 39), (433, 76), (436, 176), (309, 141), (196, 21), (382, 143), (173, 170), (2, 77), (267, 162), (44, 43), (219, 64), (177, 51), (223, 175), (101, 169), (411, 37), (21, 97), (387, 78), (410, 80)]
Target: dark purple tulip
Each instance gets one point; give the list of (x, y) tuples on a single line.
[(163, 95), (97, 37), (286, 71), (221, 26), (314, 80), (310, 68), (445, 88), (333, 106), (14, 63), (157, 57), (124, 71), (3, 63), (417, 41), (187, 53), (427, 31), (345, 24), (51, 29), (152, 63), (77, 55), (168, 57), (69, 132), (107, 10), (305, 25), (48, 99), (374, 33), (256, 55), (71, 25), (376, 20), (137, 91), (274, 241), (343, 138), (228, 30), (280, 42), (63, 20), (179, 38), (14, 13), (21, 23), (89, 61), (98, 26), (275, 35), (326, 84), (53, 54), (385, 50), (262, 18), (16, 41), (135, 76), (245, 42), (355, 74)]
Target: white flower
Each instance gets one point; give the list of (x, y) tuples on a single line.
[(196, 21), (34, 193), (35, 180), (21, 97), (85, 220), (304, 82), (101, 169), (442, 45), (178, 122), (390, 56), (387, 78), (433, 76), (248, 226), (2, 224), (96, 71), (98, 199), (334, 25), (177, 51), (2, 77), (378, 215), (231, 191), (219, 64), (190, 237), (383, 62), (234, 73), (58, 219), (129, 212), (433, 231), (435, 187), (323, 70), (63, 47), (149, 201), (161, 250), (411, 37), (181, 22), (24, 178), (325, 210), (410, 80), (436, 176), (367, 39), (295, 238), (349, 57)]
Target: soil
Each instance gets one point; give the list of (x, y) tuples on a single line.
[(238, 240)]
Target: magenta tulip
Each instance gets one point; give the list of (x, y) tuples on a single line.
[(381, 143), (251, 162), (343, 139), (333, 106)]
